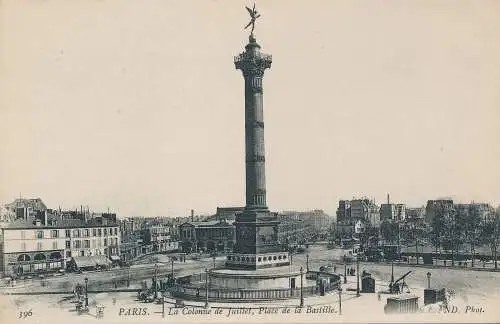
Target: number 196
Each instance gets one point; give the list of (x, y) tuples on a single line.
[(25, 314)]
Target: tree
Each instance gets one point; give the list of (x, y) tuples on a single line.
[(437, 231), (473, 230), (491, 234), (389, 231)]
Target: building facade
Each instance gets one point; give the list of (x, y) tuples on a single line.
[(32, 245), (438, 208), (207, 236), (392, 212), (160, 238), (356, 216)]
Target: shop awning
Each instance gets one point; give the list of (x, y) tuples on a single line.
[(91, 261), (101, 260), (84, 261)]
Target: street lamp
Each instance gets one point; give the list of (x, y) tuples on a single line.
[(307, 262), (357, 272), (345, 270), (172, 260), (162, 305), (428, 280), (128, 277), (154, 282), (392, 270), (86, 292), (301, 287), (340, 300), (206, 287)]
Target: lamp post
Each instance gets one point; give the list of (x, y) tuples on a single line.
[(128, 276), (345, 270), (340, 300), (172, 260), (392, 270), (301, 287), (162, 305), (307, 262), (357, 273), (154, 282), (428, 280), (86, 292), (206, 287)]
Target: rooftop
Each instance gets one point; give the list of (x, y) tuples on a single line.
[(57, 222)]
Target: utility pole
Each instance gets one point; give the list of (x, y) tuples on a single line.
[(301, 287), (154, 282), (206, 287), (345, 270), (172, 260), (163, 306), (340, 300), (357, 272)]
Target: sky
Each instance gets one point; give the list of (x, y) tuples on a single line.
[(136, 106)]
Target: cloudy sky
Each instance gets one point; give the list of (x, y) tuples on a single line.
[(137, 106)]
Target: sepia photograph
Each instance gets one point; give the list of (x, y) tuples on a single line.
[(225, 161)]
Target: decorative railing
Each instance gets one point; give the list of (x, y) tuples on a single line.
[(250, 56), (195, 289)]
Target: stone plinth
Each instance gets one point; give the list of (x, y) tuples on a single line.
[(272, 278)]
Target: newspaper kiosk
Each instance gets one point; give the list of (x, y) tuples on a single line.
[(402, 304)]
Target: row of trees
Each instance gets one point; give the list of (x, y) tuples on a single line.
[(452, 229), (455, 228)]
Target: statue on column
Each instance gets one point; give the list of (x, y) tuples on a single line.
[(253, 16)]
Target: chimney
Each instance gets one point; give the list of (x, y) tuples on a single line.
[(192, 215), (388, 199)]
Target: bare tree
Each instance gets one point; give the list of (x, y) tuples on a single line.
[(491, 234)]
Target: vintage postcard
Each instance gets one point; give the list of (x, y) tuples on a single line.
[(225, 161)]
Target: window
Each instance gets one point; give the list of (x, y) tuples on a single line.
[(68, 254), (68, 244), (99, 232), (94, 232), (78, 244), (82, 253), (116, 242), (54, 245), (86, 232), (39, 246), (76, 233), (86, 244), (39, 234), (23, 247), (116, 230), (105, 242), (105, 232), (54, 233), (68, 233), (23, 234)]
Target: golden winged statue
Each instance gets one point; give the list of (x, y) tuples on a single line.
[(253, 16)]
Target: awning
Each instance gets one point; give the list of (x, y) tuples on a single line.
[(91, 261), (101, 260), (84, 261), (114, 258)]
